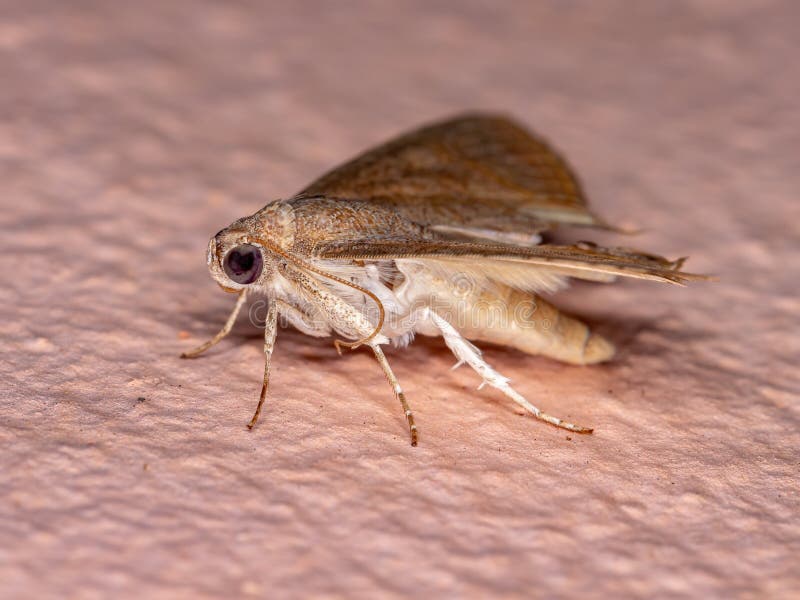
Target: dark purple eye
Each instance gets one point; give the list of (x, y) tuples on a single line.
[(243, 264)]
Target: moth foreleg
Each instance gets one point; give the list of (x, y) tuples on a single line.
[(309, 324), (270, 329), (398, 391), (226, 329), (339, 315), (466, 352)]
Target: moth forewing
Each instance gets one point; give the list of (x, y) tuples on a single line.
[(437, 232)]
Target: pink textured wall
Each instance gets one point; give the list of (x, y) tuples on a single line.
[(131, 132)]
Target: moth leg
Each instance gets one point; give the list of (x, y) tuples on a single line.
[(466, 352), (270, 329), (398, 391), (226, 329), (309, 324)]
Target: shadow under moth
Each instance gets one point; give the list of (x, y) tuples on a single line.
[(437, 232)]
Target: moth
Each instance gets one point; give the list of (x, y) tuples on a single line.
[(437, 232)]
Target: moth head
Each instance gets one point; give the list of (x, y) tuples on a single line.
[(236, 261), (239, 256)]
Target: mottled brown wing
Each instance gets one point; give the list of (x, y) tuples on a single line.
[(474, 171), (577, 261)]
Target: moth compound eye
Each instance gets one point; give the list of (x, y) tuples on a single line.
[(243, 264)]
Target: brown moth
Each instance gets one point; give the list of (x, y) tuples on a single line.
[(437, 232)]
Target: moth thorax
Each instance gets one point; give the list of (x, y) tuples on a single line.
[(276, 223)]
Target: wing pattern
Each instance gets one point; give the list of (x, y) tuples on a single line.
[(479, 171), (476, 188)]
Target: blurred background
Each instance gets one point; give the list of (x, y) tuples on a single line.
[(132, 131)]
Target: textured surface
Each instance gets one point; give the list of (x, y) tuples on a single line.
[(129, 133)]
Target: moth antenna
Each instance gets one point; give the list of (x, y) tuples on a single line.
[(309, 267)]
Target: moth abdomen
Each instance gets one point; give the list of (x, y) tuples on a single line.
[(509, 317)]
